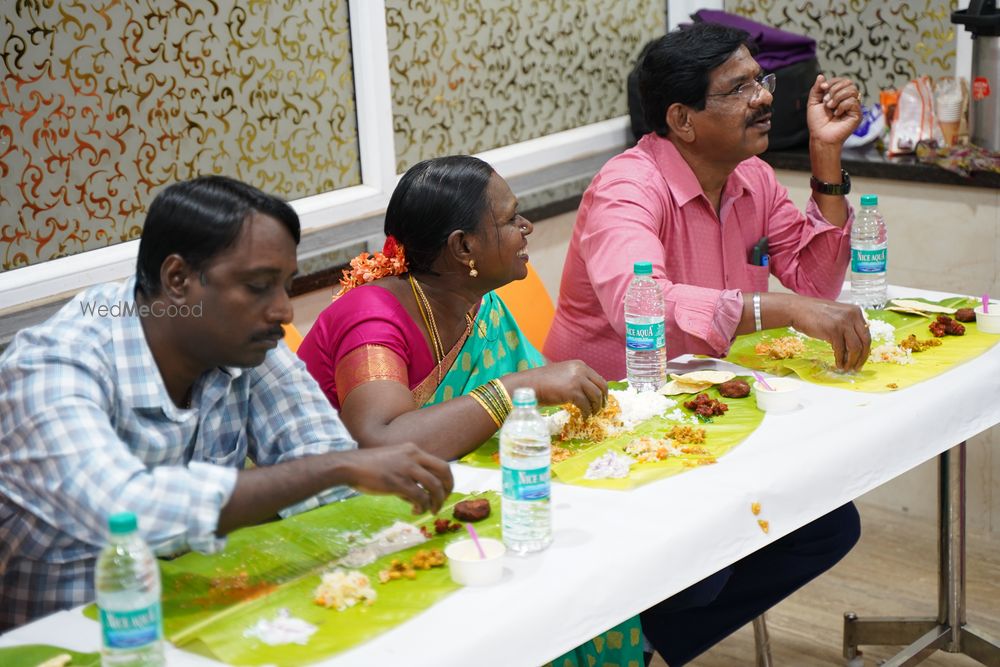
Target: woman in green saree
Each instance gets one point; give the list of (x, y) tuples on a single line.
[(419, 326), (419, 348)]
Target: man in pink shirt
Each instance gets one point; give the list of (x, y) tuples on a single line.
[(693, 199)]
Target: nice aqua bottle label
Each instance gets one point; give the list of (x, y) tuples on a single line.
[(646, 336), (131, 629), (868, 261), (530, 484)]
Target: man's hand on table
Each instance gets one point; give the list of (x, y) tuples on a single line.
[(842, 325), (402, 470)]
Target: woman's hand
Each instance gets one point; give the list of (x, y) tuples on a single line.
[(564, 382)]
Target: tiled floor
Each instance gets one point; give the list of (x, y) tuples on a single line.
[(891, 572)]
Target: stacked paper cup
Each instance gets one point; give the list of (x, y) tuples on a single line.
[(949, 112)]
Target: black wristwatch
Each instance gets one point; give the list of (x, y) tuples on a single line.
[(832, 188)]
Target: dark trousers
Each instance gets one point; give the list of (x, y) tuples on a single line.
[(692, 621)]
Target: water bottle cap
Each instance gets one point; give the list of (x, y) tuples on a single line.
[(869, 200), (524, 397), (643, 268), (122, 523)]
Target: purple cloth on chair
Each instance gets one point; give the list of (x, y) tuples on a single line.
[(778, 48)]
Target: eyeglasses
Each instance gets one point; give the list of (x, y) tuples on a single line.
[(750, 90)]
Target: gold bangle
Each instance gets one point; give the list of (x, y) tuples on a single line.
[(482, 402), (502, 390), (502, 407), (499, 409)]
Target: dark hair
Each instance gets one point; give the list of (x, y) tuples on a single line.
[(434, 198), (200, 218), (675, 68)]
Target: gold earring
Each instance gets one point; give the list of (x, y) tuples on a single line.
[(472, 268)]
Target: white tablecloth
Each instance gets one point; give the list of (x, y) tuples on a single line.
[(616, 553)]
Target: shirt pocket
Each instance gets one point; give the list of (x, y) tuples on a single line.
[(758, 277), (231, 452)]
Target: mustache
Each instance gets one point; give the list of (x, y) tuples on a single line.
[(759, 115), (273, 333)]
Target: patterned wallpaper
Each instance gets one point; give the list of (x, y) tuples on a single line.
[(471, 75), (103, 101), (878, 43)]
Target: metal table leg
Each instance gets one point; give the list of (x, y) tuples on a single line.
[(948, 632), (762, 642)]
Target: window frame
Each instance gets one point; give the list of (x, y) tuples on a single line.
[(54, 279)]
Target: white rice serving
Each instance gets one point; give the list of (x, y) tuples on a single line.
[(283, 629), (637, 406)]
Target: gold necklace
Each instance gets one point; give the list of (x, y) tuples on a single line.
[(427, 314)]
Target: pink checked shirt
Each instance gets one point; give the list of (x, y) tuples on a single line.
[(647, 205)]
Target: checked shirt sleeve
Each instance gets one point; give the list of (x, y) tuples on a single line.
[(290, 418), (62, 460)]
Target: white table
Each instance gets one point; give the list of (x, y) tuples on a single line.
[(617, 553)]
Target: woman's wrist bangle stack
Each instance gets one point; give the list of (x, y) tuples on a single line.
[(493, 398), (756, 311)]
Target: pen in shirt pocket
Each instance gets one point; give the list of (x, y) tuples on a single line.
[(759, 255)]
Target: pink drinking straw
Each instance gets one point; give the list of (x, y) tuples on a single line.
[(986, 303), (763, 382), (475, 540)]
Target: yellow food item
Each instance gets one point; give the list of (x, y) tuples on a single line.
[(915, 345), (764, 525), (698, 377), (594, 428), (755, 508), (922, 307), (675, 387), (647, 449), (785, 347), (397, 569), (688, 434), (560, 453), (425, 559), (341, 589)]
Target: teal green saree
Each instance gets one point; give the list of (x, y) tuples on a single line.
[(495, 347)]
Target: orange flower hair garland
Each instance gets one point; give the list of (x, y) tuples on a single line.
[(366, 268)]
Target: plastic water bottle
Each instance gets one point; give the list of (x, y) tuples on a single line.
[(128, 598), (645, 333), (869, 242), (525, 458)]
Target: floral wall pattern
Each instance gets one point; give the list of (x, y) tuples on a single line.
[(102, 102), (470, 75), (878, 43)]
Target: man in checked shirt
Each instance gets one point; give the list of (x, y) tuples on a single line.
[(148, 396)]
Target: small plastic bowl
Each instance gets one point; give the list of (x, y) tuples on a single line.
[(783, 398), (468, 569), (988, 322)]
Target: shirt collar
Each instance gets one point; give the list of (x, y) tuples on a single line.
[(679, 176), (138, 374)]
